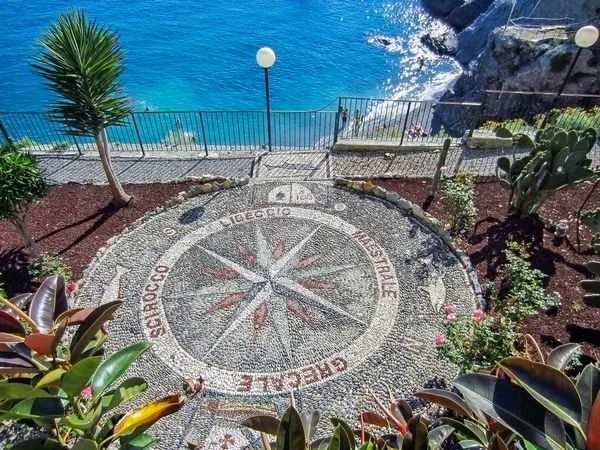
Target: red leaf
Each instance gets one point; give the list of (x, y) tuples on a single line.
[(593, 431), (222, 274), (41, 343), (10, 324), (76, 316), (10, 338), (374, 419), (232, 299), (20, 301), (49, 302)]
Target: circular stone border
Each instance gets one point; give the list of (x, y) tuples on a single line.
[(212, 184)]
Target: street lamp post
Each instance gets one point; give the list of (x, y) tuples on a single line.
[(265, 58), (584, 38)]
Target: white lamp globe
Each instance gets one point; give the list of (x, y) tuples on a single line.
[(265, 57), (586, 36)]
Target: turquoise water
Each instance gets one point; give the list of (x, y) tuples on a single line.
[(185, 54)]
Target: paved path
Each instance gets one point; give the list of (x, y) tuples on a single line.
[(302, 165), (277, 287)]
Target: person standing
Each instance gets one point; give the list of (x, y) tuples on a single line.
[(344, 117)]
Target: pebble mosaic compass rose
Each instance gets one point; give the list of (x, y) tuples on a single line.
[(274, 299)]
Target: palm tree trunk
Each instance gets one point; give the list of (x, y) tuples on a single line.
[(28, 242), (120, 198)]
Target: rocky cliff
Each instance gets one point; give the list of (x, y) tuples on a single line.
[(514, 61)]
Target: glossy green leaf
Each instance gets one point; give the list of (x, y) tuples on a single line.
[(339, 440), (467, 445), (38, 444), (127, 390), (90, 326), (496, 443), (290, 435), (48, 303), (79, 376), (468, 429), (547, 385), (85, 444), (560, 357), (108, 427), (48, 408), (416, 437), (264, 424), (142, 442), (20, 390), (438, 436), (531, 445), (448, 399), (52, 378), (310, 421), (116, 365), (75, 422), (512, 405), (367, 446), (346, 429), (588, 386)]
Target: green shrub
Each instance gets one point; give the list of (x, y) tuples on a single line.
[(61, 146), (559, 61), (457, 197), (577, 119), (521, 292), (48, 264), (517, 125), (473, 345)]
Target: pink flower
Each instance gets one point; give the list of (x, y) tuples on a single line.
[(86, 392), (449, 309), (440, 340), (451, 318), (477, 316), (72, 286)]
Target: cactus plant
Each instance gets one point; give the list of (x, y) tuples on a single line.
[(558, 161), (592, 220)]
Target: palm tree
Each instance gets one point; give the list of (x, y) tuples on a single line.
[(81, 63)]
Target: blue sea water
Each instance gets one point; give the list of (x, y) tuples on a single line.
[(200, 54)]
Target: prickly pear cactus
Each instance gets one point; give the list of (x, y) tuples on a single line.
[(592, 220), (558, 161)]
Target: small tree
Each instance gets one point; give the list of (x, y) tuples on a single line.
[(21, 183), (81, 63)]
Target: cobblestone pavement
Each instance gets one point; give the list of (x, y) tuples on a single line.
[(274, 287), (302, 165)]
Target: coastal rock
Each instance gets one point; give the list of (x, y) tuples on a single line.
[(444, 44), (457, 13)]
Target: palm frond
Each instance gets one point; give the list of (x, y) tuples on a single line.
[(81, 63)]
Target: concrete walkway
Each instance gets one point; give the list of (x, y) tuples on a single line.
[(301, 165)]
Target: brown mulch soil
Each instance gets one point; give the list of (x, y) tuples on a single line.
[(76, 220), (561, 261)]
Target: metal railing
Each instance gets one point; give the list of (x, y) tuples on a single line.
[(397, 122)]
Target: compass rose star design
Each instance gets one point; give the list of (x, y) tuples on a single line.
[(268, 290)]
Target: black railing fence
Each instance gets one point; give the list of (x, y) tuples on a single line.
[(397, 122)]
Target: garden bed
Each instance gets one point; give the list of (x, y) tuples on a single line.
[(75, 221)]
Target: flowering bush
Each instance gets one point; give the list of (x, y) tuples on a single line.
[(457, 197), (475, 342)]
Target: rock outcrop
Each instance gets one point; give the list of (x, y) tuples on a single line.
[(458, 13), (511, 62)]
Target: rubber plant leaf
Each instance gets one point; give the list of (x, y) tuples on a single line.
[(76, 316), (416, 437), (42, 343), (346, 429), (264, 424), (511, 405), (52, 378), (115, 365), (20, 391), (79, 376), (469, 429), (290, 434), (310, 421), (90, 326), (374, 419), (547, 385), (48, 302), (11, 363), (85, 444), (142, 442), (47, 408), (38, 444), (560, 357), (588, 386), (128, 389), (448, 399), (20, 301), (496, 443), (147, 414), (10, 324), (438, 436), (593, 430)]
